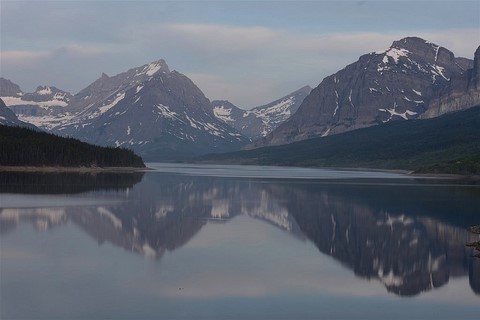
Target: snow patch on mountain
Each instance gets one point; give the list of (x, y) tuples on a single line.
[(392, 111), (44, 91), (279, 109), (119, 97), (394, 54), (261, 120), (167, 113), (224, 114), (47, 122), (18, 101), (150, 69)]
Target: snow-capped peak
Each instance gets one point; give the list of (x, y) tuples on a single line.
[(396, 53), (153, 68), (44, 90)]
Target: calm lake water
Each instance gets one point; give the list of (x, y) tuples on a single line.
[(233, 242)]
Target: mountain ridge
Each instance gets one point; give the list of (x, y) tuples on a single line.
[(406, 145), (382, 86), (163, 115), (261, 120)]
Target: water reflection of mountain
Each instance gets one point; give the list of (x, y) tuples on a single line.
[(162, 213), (411, 238), (66, 182), (165, 212)]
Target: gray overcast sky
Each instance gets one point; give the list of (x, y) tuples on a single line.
[(248, 52)]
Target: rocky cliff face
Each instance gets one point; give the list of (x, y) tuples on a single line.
[(9, 89), (461, 93), (394, 84)]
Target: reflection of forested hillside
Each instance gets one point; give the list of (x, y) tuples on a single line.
[(66, 182)]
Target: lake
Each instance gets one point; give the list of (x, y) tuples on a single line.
[(237, 242)]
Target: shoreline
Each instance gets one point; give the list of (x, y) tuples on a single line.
[(50, 169), (72, 169), (406, 172)]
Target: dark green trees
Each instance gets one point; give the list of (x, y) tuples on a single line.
[(25, 147)]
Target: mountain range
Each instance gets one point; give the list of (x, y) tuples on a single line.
[(160, 114), (408, 145), (394, 84), (260, 121), (163, 115)]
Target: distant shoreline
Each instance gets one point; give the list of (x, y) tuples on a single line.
[(71, 169), (50, 169)]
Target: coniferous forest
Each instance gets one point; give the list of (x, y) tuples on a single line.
[(26, 147), (446, 144)]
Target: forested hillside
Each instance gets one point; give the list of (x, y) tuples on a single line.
[(25, 147), (446, 144)]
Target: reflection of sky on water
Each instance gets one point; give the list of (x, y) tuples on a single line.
[(223, 270)]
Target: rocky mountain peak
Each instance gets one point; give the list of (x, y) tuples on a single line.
[(414, 48), (161, 114), (53, 95), (153, 67), (389, 85), (9, 89), (44, 90), (462, 92), (428, 50)]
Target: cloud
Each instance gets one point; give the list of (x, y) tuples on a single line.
[(224, 38), (80, 51), (17, 58), (249, 65), (61, 66), (462, 42), (253, 69)]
